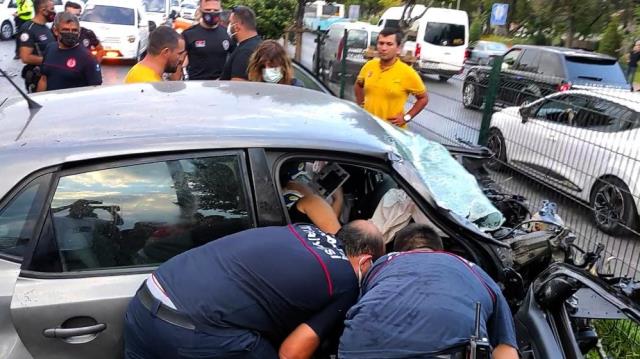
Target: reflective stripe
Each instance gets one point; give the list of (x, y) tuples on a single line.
[(158, 292)]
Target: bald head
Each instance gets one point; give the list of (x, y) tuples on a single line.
[(361, 237)]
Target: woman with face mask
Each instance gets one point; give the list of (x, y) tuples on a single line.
[(270, 63)]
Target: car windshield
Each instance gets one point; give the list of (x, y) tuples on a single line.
[(357, 39), (495, 46), (453, 188), (443, 34), (585, 70), (188, 6), (155, 5), (109, 15)]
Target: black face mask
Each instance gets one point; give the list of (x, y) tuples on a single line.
[(211, 18), (69, 39), (50, 16)]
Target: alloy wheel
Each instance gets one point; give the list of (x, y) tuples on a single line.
[(609, 205)]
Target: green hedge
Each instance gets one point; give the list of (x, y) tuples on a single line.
[(620, 339)]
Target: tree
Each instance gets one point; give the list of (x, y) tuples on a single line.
[(611, 38), (475, 29), (273, 16)]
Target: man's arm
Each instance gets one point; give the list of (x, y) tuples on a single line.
[(358, 88), (28, 58), (300, 344), (239, 67), (320, 213), (93, 72), (504, 351), (99, 52), (42, 84)]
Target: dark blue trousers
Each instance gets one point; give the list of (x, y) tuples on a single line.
[(146, 337)]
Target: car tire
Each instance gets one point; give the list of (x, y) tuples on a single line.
[(471, 94), (613, 207), (443, 78), (498, 146), (6, 30)]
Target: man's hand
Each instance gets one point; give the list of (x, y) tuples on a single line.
[(300, 344), (398, 120)]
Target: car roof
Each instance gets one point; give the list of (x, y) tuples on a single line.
[(89, 123), (622, 97), (565, 51), (118, 3)]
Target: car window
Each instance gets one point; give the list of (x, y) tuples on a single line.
[(605, 116), (550, 65), (392, 23), (109, 15), (145, 214), (12, 4), (528, 61), (587, 70), (17, 219), (155, 5), (374, 38), (511, 57), (495, 46), (565, 110), (443, 34), (357, 39)]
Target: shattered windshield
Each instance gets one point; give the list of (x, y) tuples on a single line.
[(452, 187)]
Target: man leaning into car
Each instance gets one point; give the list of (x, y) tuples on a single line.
[(264, 293), (419, 302)]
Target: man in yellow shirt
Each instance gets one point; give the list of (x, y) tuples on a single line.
[(165, 53), (385, 83)]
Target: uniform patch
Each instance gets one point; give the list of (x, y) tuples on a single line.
[(24, 37), (71, 63), (370, 74), (43, 38), (85, 42), (201, 43), (225, 45), (97, 67)]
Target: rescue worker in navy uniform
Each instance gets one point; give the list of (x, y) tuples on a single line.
[(88, 38), (69, 64), (262, 293), (420, 302), (34, 38), (208, 43)]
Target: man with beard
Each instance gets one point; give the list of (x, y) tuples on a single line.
[(242, 29), (165, 54), (68, 65), (208, 43), (33, 39)]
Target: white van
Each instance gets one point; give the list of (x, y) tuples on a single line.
[(438, 39)]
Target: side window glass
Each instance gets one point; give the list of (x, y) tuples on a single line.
[(550, 65), (145, 214), (566, 110), (529, 61), (306, 79), (510, 59), (604, 116), (18, 218), (12, 4)]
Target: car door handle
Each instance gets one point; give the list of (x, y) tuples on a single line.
[(63, 333)]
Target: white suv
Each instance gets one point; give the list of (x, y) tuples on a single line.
[(584, 143)]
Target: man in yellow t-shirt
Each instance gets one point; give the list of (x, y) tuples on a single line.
[(165, 53), (385, 83)]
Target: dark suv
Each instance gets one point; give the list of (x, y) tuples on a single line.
[(531, 72)]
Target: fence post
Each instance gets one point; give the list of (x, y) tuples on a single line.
[(316, 65), (343, 63), (489, 100)]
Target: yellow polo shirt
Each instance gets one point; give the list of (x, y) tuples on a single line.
[(387, 91), (141, 73)]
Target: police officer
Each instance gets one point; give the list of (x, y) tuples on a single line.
[(420, 302), (242, 29), (254, 294), (208, 43), (33, 39), (23, 14), (88, 38), (69, 64)]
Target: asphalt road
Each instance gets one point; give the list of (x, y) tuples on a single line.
[(444, 120)]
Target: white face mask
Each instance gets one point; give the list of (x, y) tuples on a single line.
[(272, 74), (230, 32), (360, 275)]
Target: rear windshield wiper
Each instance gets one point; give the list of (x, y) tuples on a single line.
[(590, 78)]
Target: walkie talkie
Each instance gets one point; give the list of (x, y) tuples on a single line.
[(479, 347)]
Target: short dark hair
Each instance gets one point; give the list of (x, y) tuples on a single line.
[(415, 236), (65, 18), (388, 31), (358, 239), (245, 16), (162, 37), (37, 4), (73, 5)]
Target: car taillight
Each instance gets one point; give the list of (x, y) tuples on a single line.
[(565, 86), (467, 54), (418, 50), (340, 48)]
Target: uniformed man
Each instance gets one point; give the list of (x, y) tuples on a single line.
[(243, 30), (34, 38), (256, 294), (69, 64), (23, 14), (420, 302), (208, 43), (88, 38)]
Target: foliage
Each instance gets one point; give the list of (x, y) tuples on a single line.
[(509, 41), (611, 39), (620, 339), (273, 16), (475, 30)]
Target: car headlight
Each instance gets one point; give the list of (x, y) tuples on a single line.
[(131, 39)]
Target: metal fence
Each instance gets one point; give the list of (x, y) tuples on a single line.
[(569, 137)]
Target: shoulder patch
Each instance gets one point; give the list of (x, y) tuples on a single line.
[(226, 45), (24, 36)]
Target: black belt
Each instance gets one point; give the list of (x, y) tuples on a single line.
[(165, 313)]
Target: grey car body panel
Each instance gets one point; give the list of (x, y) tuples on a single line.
[(149, 118), (11, 346)]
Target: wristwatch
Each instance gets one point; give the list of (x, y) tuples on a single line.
[(407, 118)]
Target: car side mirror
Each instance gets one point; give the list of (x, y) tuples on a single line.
[(152, 26), (525, 113)]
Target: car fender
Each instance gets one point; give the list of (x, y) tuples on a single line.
[(621, 167)]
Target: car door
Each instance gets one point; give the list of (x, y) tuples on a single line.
[(509, 63), (105, 228)]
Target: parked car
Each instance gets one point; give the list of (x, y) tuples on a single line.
[(122, 27), (7, 27), (481, 52), (360, 36), (188, 10), (159, 12), (532, 72), (585, 143), (89, 208)]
